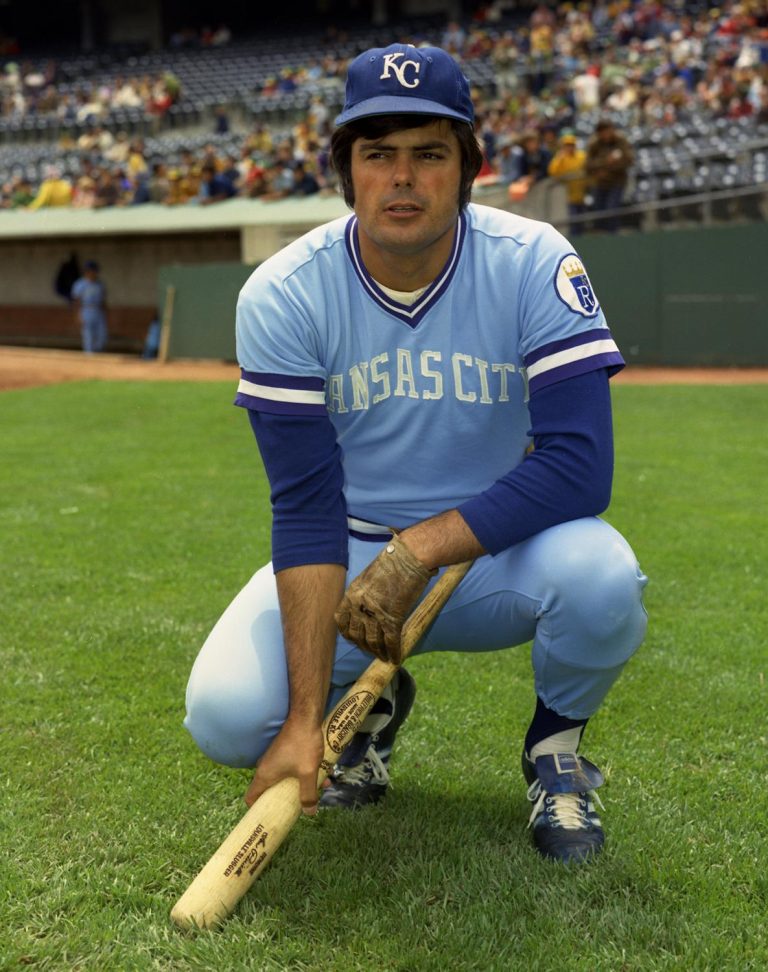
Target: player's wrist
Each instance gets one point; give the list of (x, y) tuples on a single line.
[(419, 547), (443, 539), (304, 720)]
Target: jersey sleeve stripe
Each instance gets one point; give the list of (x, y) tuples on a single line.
[(281, 394), (569, 362), (569, 355), (584, 337), (304, 382), (257, 404), (306, 397)]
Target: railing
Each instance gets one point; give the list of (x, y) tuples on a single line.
[(547, 201), (744, 204)]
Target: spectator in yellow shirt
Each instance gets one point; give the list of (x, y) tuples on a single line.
[(137, 163), (568, 166), (54, 190)]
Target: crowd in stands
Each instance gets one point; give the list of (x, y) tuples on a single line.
[(35, 92), (556, 73), (121, 174)]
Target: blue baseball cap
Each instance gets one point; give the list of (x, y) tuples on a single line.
[(405, 80)]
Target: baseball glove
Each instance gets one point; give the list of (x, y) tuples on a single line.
[(378, 601)]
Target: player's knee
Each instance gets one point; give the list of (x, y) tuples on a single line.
[(599, 589), (228, 727)]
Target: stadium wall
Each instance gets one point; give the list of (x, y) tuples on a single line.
[(32, 313), (684, 297), (673, 297), (678, 298), (201, 308), (131, 244)]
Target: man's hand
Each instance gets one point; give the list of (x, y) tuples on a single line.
[(295, 751), (379, 600)]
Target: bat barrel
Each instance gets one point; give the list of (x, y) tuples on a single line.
[(242, 856)]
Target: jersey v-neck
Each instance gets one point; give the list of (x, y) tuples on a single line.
[(413, 313)]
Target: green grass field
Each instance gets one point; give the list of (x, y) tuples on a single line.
[(130, 514)]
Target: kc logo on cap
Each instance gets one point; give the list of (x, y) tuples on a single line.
[(390, 61), (405, 80)]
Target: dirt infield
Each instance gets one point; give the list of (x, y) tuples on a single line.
[(31, 367)]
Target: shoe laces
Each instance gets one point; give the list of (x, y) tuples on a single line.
[(370, 769), (566, 810)]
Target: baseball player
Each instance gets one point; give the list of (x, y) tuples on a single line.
[(90, 296), (397, 367)]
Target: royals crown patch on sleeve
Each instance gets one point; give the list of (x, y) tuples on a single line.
[(574, 287)]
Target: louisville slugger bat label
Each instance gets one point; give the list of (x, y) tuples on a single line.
[(345, 720), (248, 852), (252, 861)]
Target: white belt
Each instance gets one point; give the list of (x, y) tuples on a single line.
[(366, 530)]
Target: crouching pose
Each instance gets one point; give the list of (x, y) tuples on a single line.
[(428, 383)]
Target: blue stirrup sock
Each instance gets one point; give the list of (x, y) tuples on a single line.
[(551, 733)]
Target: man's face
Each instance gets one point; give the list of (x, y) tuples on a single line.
[(406, 188)]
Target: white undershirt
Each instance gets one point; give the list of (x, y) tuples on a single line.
[(406, 297)]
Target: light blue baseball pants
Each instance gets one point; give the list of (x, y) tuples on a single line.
[(93, 329), (574, 590)]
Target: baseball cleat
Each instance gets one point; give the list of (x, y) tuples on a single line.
[(565, 824), (361, 776)]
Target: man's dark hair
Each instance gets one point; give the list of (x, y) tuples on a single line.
[(379, 126)]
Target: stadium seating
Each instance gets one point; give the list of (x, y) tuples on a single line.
[(274, 80)]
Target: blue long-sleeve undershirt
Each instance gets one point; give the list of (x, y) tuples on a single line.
[(567, 476), (309, 512)]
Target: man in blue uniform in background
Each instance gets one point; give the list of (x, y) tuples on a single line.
[(397, 367), (90, 295)]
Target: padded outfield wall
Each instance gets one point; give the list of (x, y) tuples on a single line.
[(685, 297), (675, 297)]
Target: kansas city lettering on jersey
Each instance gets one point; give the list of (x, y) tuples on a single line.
[(423, 376)]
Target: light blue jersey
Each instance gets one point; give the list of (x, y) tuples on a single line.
[(433, 392), (92, 294)]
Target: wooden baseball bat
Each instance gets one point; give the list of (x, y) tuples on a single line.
[(214, 893)]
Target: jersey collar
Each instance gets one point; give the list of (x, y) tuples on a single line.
[(413, 313)]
